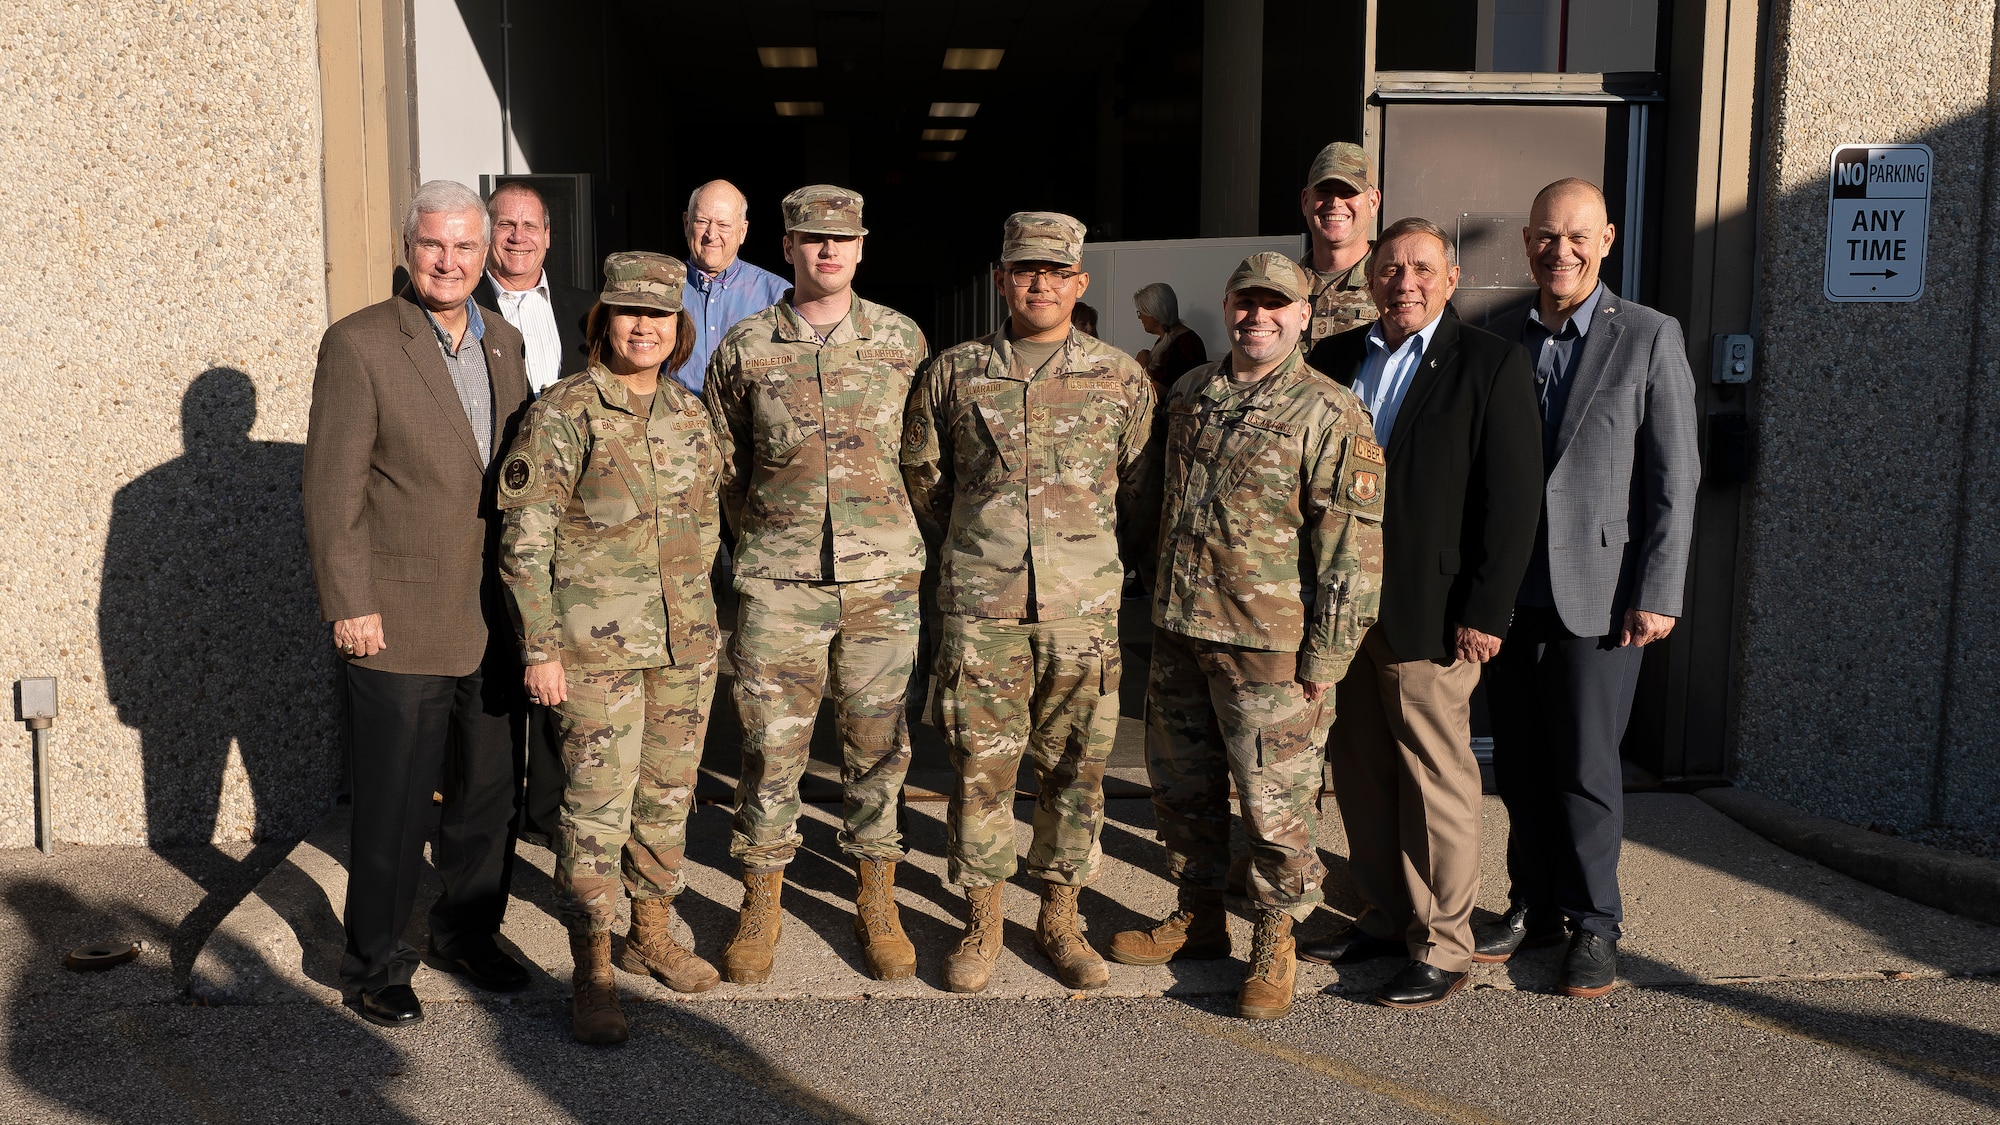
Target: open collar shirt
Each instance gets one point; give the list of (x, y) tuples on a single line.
[(469, 375), (531, 311), (717, 301), (1386, 374)]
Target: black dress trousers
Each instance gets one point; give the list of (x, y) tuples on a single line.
[(1559, 704), (404, 730)]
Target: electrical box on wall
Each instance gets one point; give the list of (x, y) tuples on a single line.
[(1734, 359)]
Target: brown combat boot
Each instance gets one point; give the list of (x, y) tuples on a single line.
[(650, 949), (1198, 931), (747, 959), (878, 926), (1061, 940), (1267, 992), (595, 1017), (971, 964)]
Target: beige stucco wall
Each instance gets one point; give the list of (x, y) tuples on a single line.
[(162, 199)]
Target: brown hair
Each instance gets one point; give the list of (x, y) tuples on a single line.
[(1416, 225), (598, 325)]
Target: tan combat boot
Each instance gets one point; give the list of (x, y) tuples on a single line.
[(747, 960), (1267, 992), (1197, 931), (595, 1017), (650, 949), (877, 925), (971, 964), (1061, 941)]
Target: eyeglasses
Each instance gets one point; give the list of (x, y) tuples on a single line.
[(1026, 276)]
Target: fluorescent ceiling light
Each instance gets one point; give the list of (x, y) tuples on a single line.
[(944, 134), (800, 109), (788, 58), (937, 156), (971, 58), (954, 109)]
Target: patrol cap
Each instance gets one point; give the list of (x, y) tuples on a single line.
[(643, 279), (1042, 236), (1270, 270), (1343, 161), (823, 209)]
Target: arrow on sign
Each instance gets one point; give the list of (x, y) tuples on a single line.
[(1882, 274)]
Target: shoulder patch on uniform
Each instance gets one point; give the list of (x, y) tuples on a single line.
[(518, 480), (1362, 467)]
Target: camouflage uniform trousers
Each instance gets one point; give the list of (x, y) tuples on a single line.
[(1218, 713), (790, 636), (631, 742), (1046, 689)]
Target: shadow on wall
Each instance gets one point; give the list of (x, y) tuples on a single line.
[(210, 632)]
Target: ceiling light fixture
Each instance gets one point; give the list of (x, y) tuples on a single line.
[(954, 109), (944, 134), (800, 109), (973, 58), (788, 58)]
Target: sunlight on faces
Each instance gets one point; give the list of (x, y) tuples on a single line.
[(446, 253), (822, 264), (1411, 283), (1045, 303), (520, 238), (1337, 214), (1263, 325), (1567, 236), (641, 338), (715, 229)]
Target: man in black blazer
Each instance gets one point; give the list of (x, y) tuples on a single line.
[(1454, 407), (1604, 581), (550, 319)]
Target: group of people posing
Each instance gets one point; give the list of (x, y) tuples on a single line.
[(1341, 523)]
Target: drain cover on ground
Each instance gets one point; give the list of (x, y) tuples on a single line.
[(104, 955)]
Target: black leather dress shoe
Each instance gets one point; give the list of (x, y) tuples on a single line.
[(1350, 944), (488, 968), (1519, 928), (1590, 968), (394, 1005), (1419, 986)]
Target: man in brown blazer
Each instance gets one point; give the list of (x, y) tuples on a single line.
[(412, 398)]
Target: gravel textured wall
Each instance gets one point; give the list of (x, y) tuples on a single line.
[(1855, 520), (164, 293)]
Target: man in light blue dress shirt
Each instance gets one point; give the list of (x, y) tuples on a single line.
[(1386, 374), (721, 288)]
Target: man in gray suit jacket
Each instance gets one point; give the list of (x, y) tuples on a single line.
[(411, 399), (1605, 579)]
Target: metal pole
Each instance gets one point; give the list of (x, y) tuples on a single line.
[(43, 830), (506, 92)]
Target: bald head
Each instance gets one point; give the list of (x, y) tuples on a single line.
[(715, 223), (1568, 233)]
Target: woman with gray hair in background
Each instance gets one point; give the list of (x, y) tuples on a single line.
[(1178, 349)]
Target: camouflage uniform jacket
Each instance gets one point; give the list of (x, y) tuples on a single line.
[(1271, 537), (810, 437), (1032, 482), (611, 526), (1340, 300)]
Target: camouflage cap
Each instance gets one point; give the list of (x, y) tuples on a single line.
[(643, 279), (824, 209), (1042, 236), (1271, 270), (1343, 161)]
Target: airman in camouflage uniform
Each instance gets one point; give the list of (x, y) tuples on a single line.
[(1030, 460), (827, 560), (1339, 202), (611, 524), (1269, 575)]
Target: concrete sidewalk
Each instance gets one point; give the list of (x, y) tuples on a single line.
[(1708, 901)]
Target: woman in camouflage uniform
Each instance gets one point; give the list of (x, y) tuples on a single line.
[(611, 526)]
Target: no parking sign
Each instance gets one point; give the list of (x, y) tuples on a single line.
[(1878, 220)]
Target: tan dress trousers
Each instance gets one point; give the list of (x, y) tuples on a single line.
[(1408, 789)]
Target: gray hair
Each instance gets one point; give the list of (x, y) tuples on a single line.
[(742, 201), (1418, 225), (447, 197), (1158, 301)]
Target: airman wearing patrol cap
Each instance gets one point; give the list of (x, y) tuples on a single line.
[(611, 523), (1030, 459), (807, 398), (1269, 575), (1339, 203)]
